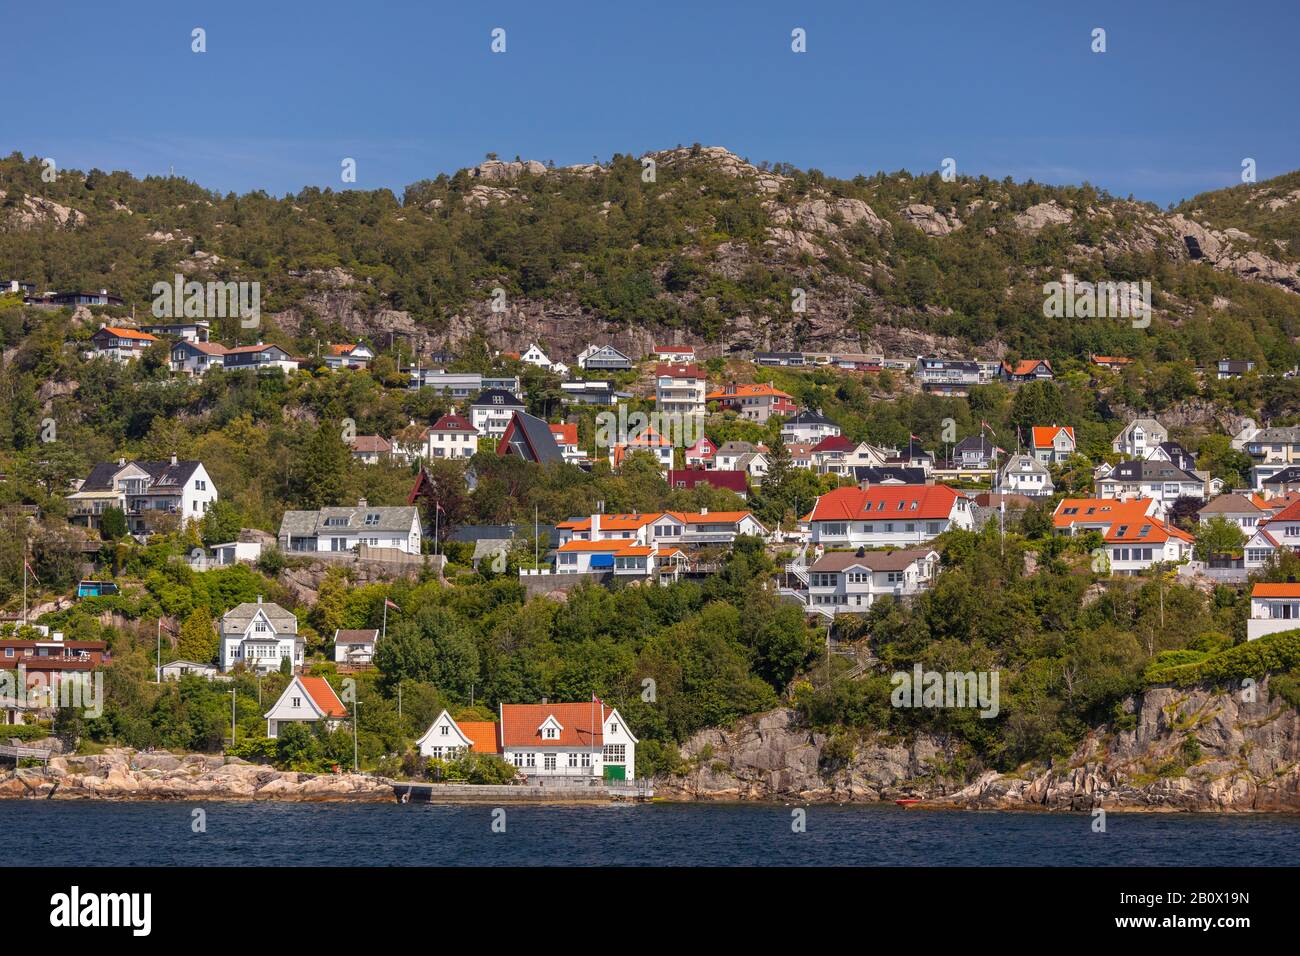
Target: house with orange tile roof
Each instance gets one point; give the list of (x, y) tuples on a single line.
[(661, 529), (119, 343), (1027, 370), (1115, 363), (1135, 539), (882, 516), (307, 700), (349, 355), (578, 741), (1274, 607), (1052, 444), (449, 739), (582, 739), (645, 440), (754, 403)]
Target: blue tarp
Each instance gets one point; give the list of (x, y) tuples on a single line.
[(602, 560)]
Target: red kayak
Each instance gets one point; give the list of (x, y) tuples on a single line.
[(906, 803)]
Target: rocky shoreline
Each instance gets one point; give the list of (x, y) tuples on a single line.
[(1179, 750), (1184, 749), (122, 774)]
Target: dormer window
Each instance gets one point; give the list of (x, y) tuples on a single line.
[(550, 733)]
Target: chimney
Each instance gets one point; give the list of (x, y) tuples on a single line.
[(595, 525), (361, 502), (121, 462), (704, 511), (173, 458), (259, 599)]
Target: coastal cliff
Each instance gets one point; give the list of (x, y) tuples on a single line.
[(1197, 748), (122, 774)]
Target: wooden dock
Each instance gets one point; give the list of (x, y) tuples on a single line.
[(16, 754)]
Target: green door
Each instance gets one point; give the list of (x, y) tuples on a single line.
[(615, 771)]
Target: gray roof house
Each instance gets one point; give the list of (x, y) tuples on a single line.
[(346, 528), (260, 636)]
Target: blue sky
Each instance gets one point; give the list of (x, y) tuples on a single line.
[(285, 91)]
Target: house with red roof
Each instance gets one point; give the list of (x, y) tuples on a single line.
[(701, 454), (662, 529), (687, 478), (675, 354), (1135, 539), (679, 389), (119, 343), (645, 440), (1274, 607), (451, 436), (885, 516), (831, 455), (307, 700)]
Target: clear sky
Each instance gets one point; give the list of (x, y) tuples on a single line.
[(285, 91)]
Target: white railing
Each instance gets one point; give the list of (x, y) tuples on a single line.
[(800, 571)]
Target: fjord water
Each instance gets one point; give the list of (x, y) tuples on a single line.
[(294, 834)]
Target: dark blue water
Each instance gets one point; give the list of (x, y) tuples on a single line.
[(291, 834)]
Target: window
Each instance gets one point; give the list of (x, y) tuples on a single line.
[(530, 760), (445, 730), (573, 759), (615, 753), (548, 761), (550, 733), (297, 702)]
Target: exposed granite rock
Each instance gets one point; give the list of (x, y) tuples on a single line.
[(1200, 748), (122, 774)]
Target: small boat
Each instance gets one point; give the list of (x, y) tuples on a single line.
[(908, 802)]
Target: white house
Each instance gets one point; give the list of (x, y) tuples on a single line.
[(1273, 608), (583, 739), (349, 355), (1160, 481), (260, 636), (887, 516), (451, 436), (143, 490), (306, 700), (808, 426), (449, 739), (1139, 437), (535, 356), (1135, 538), (197, 358), (175, 670), (355, 648), (1026, 475), (492, 411), (849, 581), (1244, 511), (679, 389), (344, 529)]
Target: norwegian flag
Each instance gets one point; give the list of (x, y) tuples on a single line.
[(438, 506), (988, 427), (32, 572), (388, 603)]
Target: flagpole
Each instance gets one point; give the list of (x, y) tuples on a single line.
[(385, 633)]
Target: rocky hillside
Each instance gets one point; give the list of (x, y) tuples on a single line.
[(692, 244), (1186, 749)]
